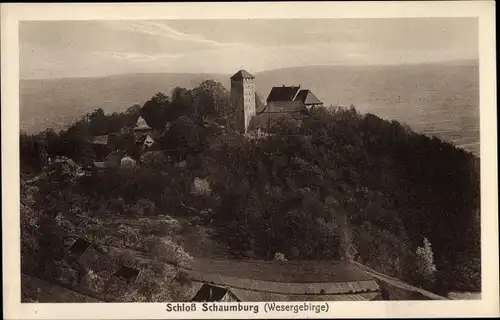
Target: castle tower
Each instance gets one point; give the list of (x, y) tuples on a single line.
[(243, 97)]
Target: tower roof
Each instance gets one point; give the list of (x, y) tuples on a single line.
[(242, 74)]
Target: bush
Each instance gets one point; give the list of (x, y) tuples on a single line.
[(93, 282), (201, 187), (278, 256), (143, 207), (165, 250)]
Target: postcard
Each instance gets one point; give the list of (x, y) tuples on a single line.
[(249, 160)]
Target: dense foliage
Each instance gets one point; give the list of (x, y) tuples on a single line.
[(333, 185)]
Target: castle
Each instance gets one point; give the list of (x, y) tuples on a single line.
[(283, 103)]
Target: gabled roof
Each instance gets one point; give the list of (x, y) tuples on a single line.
[(282, 93), (242, 74), (210, 293), (148, 141), (307, 97), (259, 105), (142, 124)]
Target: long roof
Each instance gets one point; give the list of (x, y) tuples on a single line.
[(338, 286), (242, 74), (283, 93), (255, 296)]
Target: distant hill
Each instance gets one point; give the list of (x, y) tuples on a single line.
[(435, 99)]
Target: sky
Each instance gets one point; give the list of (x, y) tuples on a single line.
[(58, 49)]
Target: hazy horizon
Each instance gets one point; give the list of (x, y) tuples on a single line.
[(466, 62), (74, 49)]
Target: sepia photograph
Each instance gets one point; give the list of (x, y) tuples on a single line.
[(249, 160)]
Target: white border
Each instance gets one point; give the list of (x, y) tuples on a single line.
[(12, 13)]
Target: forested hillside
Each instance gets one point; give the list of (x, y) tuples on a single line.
[(335, 185), (437, 99)]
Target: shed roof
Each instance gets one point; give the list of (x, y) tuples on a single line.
[(127, 273), (242, 74), (283, 93), (79, 247), (307, 97)]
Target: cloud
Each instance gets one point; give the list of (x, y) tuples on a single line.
[(76, 48), (137, 57), (161, 29)]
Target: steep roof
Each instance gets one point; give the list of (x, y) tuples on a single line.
[(142, 124), (259, 105), (307, 97), (148, 141), (242, 74), (283, 93)]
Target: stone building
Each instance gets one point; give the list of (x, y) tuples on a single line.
[(285, 103)]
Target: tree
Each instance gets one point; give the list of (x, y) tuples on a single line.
[(427, 267), (155, 111)]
